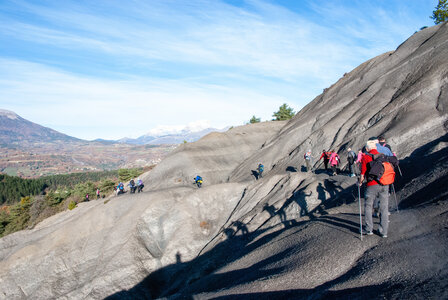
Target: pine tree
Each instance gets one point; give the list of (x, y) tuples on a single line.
[(440, 14), (284, 113), (254, 119)]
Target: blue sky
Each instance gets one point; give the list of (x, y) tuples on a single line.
[(110, 69)]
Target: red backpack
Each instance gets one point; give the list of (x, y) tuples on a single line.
[(381, 169)]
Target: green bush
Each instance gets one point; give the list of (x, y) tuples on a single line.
[(56, 197), (72, 205), (254, 119), (81, 189), (18, 217), (127, 174), (106, 186)]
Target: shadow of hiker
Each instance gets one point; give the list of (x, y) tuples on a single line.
[(291, 169), (178, 258), (229, 232), (321, 195), (300, 197), (270, 209), (255, 174), (240, 226), (303, 169)]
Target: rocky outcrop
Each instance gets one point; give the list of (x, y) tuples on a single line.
[(289, 234)]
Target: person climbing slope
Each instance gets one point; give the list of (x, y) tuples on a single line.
[(198, 181), (326, 156), (351, 157), (307, 156), (140, 185), (334, 161), (260, 170), (374, 190)]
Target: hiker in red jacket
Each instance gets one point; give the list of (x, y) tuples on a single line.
[(326, 156), (374, 191)]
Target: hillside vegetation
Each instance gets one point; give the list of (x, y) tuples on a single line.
[(29, 201)]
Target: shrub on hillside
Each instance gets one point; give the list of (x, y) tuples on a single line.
[(18, 217), (72, 205), (81, 189), (127, 174), (106, 186)]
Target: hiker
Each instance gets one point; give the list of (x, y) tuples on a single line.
[(132, 186), (198, 181), (120, 188), (334, 161), (351, 157), (307, 156), (326, 156), (140, 185), (359, 159), (260, 170), (381, 149), (97, 193), (87, 198), (374, 190), (382, 142)]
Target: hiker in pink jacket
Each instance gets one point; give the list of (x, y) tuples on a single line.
[(359, 159), (334, 161)]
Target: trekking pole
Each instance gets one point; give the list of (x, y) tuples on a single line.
[(395, 196), (399, 170), (360, 216)]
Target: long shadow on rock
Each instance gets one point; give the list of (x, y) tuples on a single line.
[(175, 278), (366, 292), (184, 279), (421, 164)]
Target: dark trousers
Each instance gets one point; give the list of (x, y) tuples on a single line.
[(380, 193)]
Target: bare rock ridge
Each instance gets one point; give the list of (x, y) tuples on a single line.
[(290, 234)]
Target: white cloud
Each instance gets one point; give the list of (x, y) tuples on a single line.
[(115, 69)]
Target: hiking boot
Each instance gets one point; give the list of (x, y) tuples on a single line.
[(365, 232), (383, 235)]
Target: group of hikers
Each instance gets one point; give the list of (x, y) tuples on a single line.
[(133, 186), (375, 164), (98, 196)]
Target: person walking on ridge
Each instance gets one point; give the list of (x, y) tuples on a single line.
[(260, 170), (334, 161), (351, 157), (307, 158), (326, 156), (374, 191)]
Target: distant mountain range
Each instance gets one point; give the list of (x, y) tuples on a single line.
[(30, 150), (173, 138), (14, 130)]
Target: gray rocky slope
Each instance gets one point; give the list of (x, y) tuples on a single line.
[(290, 234)]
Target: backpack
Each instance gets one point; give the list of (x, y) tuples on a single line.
[(351, 157), (327, 155), (381, 169), (307, 156), (261, 168)]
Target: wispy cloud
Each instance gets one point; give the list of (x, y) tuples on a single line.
[(121, 66)]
